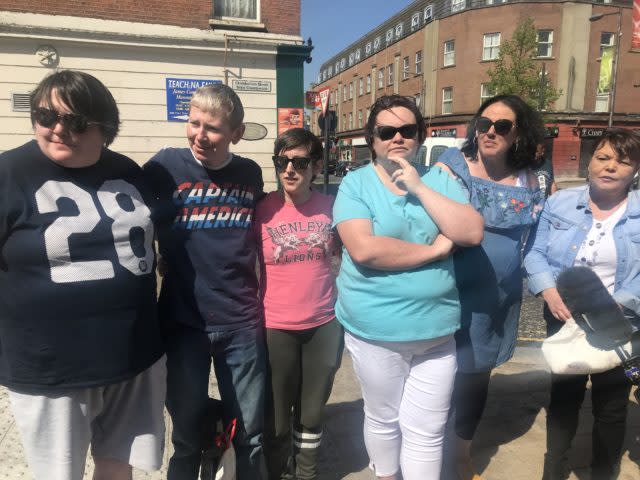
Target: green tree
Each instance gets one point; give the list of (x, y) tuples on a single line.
[(517, 71)]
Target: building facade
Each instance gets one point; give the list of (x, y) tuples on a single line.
[(151, 55), (439, 52)]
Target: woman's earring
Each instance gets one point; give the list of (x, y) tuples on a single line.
[(517, 144)]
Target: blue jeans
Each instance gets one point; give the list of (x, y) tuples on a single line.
[(239, 362)]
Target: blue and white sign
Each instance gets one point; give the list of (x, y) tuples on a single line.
[(179, 92)]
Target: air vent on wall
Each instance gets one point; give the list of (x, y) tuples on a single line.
[(20, 102)]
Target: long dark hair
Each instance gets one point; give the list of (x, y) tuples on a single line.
[(530, 129)]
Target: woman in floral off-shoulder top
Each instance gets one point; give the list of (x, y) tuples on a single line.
[(495, 168)]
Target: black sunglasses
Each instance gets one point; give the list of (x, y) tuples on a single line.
[(72, 121), (386, 132), (299, 163), (501, 127)]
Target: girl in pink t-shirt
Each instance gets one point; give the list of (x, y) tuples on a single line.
[(304, 339)]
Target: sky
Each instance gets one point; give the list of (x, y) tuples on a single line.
[(335, 24)]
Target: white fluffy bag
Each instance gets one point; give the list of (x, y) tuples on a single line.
[(569, 352)]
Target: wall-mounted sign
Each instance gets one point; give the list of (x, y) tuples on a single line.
[(179, 92), (312, 100), (251, 85), (444, 132), (586, 132), (289, 118)]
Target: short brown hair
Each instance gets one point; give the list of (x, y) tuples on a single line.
[(624, 142), (84, 95), (388, 102)]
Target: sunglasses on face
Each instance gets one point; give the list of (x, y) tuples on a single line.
[(71, 121), (299, 163), (501, 127), (385, 132)]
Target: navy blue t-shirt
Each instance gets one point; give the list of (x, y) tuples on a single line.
[(204, 221), (77, 272)]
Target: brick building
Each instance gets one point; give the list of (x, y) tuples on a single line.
[(439, 51), (151, 55)]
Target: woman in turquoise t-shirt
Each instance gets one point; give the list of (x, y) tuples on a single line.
[(397, 297)]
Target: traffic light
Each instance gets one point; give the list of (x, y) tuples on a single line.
[(333, 121)]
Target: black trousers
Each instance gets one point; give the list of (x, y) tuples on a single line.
[(469, 398), (302, 366), (609, 398)]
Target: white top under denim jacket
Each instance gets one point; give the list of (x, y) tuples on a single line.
[(564, 223)]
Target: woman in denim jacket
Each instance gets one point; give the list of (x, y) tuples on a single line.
[(597, 226)]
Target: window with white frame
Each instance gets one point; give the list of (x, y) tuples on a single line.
[(428, 13), (607, 39), (343, 126), (486, 92), (449, 53), (390, 74), (545, 43), (344, 93), (602, 102), (360, 86), (246, 10), (369, 83), (415, 21), (447, 100), (389, 36), (419, 62), (405, 68), (350, 120), (490, 46), (359, 118), (418, 98), (332, 97), (350, 90), (457, 5), (381, 78)]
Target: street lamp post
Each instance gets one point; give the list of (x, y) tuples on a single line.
[(614, 79)]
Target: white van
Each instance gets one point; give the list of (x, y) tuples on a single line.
[(433, 147)]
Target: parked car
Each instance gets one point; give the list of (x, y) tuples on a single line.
[(332, 166)]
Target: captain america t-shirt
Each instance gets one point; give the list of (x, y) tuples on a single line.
[(204, 221)]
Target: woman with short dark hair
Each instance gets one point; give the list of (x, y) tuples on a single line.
[(397, 298), (304, 339), (595, 226), (494, 166), (81, 354)]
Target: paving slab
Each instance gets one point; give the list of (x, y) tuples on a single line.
[(510, 442)]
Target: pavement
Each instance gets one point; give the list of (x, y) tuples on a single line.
[(510, 442)]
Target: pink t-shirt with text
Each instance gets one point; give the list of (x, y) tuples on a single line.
[(298, 287)]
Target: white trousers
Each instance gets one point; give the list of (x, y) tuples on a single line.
[(406, 387)]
